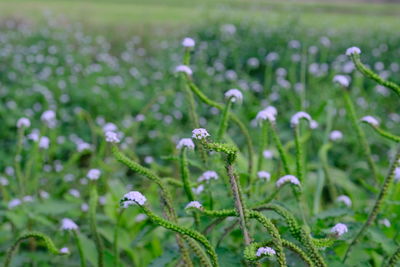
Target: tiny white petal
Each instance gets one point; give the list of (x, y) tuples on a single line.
[(264, 175), (68, 224), (93, 174), (342, 80), (64, 250), (335, 135)]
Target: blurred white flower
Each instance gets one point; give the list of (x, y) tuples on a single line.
[(264, 175), (14, 203), (44, 142), (68, 224), (234, 95), (200, 133), (23, 122), (370, 120), (385, 222), (3, 181), (344, 199), (132, 198), (64, 250), (193, 204), (287, 178), (268, 154), (207, 176), (140, 217), (265, 251), (342, 80), (267, 114), (335, 135), (49, 118), (185, 69), (198, 190), (339, 229), (185, 142), (93, 174), (295, 120), (188, 42), (112, 137), (353, 50)]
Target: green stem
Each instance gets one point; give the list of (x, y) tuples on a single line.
[(93, 225), (279, 146), (299, 154), (116, 235), (394, 258), (17, 161), (223, 125), (385, 134), (80, 249), (261, 145)]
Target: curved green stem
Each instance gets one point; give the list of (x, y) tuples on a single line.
[(80, 249), (393, 260), (385, 134)]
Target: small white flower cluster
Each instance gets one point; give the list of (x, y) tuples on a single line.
[(193, 204), (353, 50), (339, 229), (287, 179), (265, 251), (68, 224), (207, 176), (132, 198), (335, 135), (370, 120), (23, 123), (344, 199), (341, 80), (234, 95), (295, 120), (112, 137), (93, 174), (264, 175), (185, 142), (184, 69), (188, 42), (267, 114), (200, 133)]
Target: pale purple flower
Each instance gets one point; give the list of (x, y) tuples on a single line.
[(68, 224), (84, 207), (188, 42), (335, 135), (185, 142), (342, 80), (14, 203), (207, 176), (44, 142), (74, 192), (49, 118), (193, 204), (265, 251), (23, 122), (93, 174), (27, 199), (397, 174), (353, 50), (234, 95), (268, 154), (140, 217), (200, 133), (339, 229), (264, 175), (184, 69), (344, 199), (133, 197), (287, 179), (267, 114), (3, 181), (385, 222), (295, 120), (198, 190), (370, 120), (112, 137), (64, 250)]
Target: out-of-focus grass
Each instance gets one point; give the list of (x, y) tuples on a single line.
[(143, 13)]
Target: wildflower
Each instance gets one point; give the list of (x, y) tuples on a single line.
[(193, 204), (385, 222), (265, 251), (234, 95), (68, 224), (93, 174), (198, 190), (49, 118), (64, 250), (14, 202), (133, 197), (185, 142), (269, 113), (345, 199), (74, 192), (44, 142), (370, 120), (342, 80), (44, 194), (207, 176), (112, 137), (140, 217), (84, 207), (287, 178), (110, 127), (82, 146), (23, 122), (339, 229), (27, 199), (264, 175), (353, 50), (3, 181), (268, 154), (397, 174), (185, 69), (200, 133), (295, 120), (335, 135), (188, 42), (314, 124)]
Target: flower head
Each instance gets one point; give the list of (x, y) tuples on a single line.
[(68, 224), (264, 175), (188, 42), (335, 135), (353, 50), (64, 250), (200, 133), (185, 69), (397, 174), (287, 179), (339, 229), (342, 80), (295, 120), (112, 137), (265, 251), (23, 122), (49, 117), (234, 95), (193, 204), (207, 176), (198, 190), (345, 199), (93, 174), (267, 114), (44, 142), (14, 202), (268, 154), (370, 120), (185, 142), (132, 198)]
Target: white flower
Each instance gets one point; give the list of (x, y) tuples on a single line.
[(269, 113), (314, 124), (44, 194), (207, 176), (3, 181), (339, 229), (23, 122), (68, 224), (342, 80), (198, 190), (84, 207), (295, 120), (64, 250), (27, 199), (200, 133), (234, 95), (193, 204), (287, 178), (133, 197), (44, 142), (49, 117), (265, 251), (185, 142), (93, 174), (353, 50), (397, 174), (345, 199), (74, 192), (112, 137), (268, 154), (110, 127), (188, 42), (82, 146), (370, 120), (140, 217), (335, 135), (385, 222), (14, 202), (185, 69), (264, 175)]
